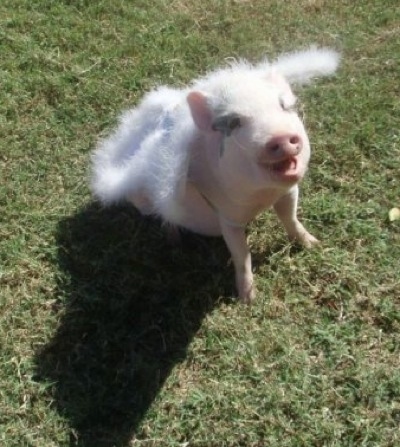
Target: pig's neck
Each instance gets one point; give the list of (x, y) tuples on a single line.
[(231, 184)]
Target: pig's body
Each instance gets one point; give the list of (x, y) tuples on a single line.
[(211, 157)]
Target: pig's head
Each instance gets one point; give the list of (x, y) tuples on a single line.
[(248, 114)]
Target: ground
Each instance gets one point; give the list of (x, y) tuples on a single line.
[(110, 336)]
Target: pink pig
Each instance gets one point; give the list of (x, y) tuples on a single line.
[(211, 157)]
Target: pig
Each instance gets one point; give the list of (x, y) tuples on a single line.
[(213, 155)]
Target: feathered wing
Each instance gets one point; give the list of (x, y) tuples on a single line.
[(301, 67), (114, 174), (147, 153), (167, 169)]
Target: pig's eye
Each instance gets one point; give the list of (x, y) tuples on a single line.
[(234, 122), (226, 124), (287, 106)]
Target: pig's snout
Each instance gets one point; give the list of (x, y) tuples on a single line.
[(280, 156), (283, 146)]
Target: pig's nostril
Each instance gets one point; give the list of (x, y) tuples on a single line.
[(290, 144), (294, 140)]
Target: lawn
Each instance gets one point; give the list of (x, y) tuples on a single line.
[(112, 337)]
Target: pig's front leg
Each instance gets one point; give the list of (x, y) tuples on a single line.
[(235, 238), (286, 209)]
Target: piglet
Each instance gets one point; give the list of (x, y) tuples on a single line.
[(210, 157)]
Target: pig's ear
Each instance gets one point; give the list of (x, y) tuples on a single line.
[(200, 110), (302, 66)]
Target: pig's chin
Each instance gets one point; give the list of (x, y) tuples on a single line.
[(288, 170)]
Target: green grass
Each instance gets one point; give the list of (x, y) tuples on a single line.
[(111, 337)]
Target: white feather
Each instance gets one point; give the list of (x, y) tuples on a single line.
[(302, 66), (148, 152)]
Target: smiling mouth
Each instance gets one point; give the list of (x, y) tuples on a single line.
[(286, 169), (285, 166)]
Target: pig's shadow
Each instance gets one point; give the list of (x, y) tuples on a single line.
[(129, 305)]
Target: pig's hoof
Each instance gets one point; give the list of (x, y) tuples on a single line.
[(307, 240), (247, 296)]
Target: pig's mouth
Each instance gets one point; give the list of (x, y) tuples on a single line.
[(286, 169)]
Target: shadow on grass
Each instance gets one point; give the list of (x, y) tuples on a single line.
[(129, 306)]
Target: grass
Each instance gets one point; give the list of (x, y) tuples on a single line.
[(109, 336)]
